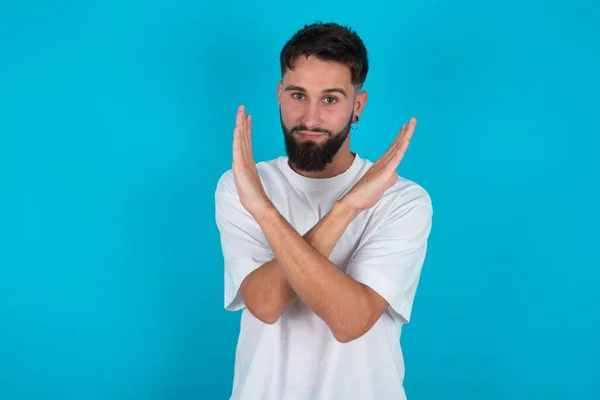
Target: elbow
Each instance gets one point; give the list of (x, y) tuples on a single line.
[(269, 319), (349, 333), (359, 321), (354, 328), (264, 314), (346, 336), (343, 337)]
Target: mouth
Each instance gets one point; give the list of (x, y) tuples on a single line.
[(310, 135)]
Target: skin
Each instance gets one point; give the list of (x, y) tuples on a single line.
[(301, 268), (315, 106)]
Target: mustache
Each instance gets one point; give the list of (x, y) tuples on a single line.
[(305, 129)]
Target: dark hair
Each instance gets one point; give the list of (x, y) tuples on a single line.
[(328, 42)]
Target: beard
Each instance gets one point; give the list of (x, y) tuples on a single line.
[(310, 156)]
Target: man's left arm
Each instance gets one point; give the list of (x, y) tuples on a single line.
[(350, 303)]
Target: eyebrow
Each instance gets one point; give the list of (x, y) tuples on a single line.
[(332, 90)]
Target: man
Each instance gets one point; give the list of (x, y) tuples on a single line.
[(323, 249)]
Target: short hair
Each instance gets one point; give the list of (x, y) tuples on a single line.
[(328, 42)]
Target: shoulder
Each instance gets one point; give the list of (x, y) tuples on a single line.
[(406, 193), (405, 210), (403, 195)]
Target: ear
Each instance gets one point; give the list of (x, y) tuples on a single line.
[(360, 102), (279, 89)]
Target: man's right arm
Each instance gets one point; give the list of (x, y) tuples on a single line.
[(253, 277), (266, 291)]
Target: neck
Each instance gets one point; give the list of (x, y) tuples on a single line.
[(340, 163)]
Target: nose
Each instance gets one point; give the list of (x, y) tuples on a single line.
[(312, 116)]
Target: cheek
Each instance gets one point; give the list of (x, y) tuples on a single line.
[(291, 104), (335, 116), (291, 111)]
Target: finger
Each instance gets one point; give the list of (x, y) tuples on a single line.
[(398, 139), (246, 127), (249, 136), (241, 131), (410, 127), (389, 154), (405, 133), (247, 141), (238, 135), (239, 116), (244, 120), (249, 127), (407, 128), (401, 145), (401, 134), (399, 155), (238, 125), (410, 130), (246, 135), (390, 149), (236, 146)]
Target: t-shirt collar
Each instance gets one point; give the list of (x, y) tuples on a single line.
[(305, 183)]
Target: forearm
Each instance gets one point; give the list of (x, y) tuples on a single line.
[(335, 297), (266, 290)]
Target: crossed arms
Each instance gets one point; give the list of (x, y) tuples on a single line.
[(302, 268), (299, 266), (348, 304)]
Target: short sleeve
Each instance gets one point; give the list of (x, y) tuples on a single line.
[(243, 244), (392, 256)]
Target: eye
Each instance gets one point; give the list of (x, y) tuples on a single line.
[(330, 100), (298, 96)]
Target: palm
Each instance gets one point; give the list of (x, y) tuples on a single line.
[(248, 184), (382, 174)]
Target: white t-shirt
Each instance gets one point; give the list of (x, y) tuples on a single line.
[(297, 357)]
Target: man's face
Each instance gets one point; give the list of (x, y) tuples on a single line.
[(317, 104)]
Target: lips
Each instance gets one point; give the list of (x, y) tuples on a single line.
[(309, 134)]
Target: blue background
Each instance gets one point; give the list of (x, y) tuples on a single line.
[(116, 122)]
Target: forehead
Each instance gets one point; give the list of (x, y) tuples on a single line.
[(314, 74)]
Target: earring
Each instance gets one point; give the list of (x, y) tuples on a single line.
[(355, 123)]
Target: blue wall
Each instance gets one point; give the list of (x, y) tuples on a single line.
[(116, 122)]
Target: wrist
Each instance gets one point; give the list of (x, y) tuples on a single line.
[(345, 208), (264, 210)]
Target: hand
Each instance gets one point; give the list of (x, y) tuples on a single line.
[(250, 190), (382, 174)]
